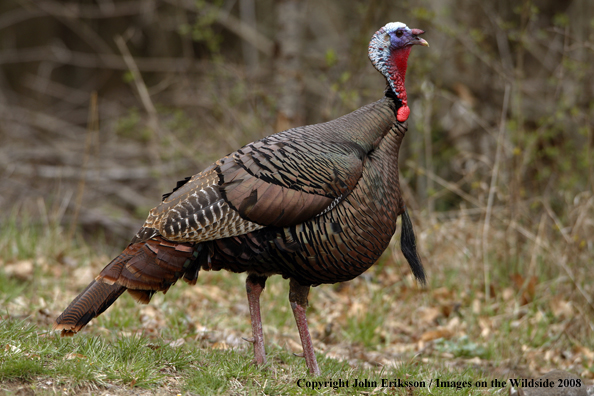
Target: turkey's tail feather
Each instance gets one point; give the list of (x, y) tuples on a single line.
[(408, 245), (89, 304), (143, 268)]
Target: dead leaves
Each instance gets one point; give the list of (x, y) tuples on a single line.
[(72, 356), (526, 287), (561, 308), (21, 270), (435, 334), (439, 319), (177, 343)]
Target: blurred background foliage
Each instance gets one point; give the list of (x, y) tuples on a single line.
[(105, 104)]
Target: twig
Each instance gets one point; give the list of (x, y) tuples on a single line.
[(247, 12), (64, 204), (60, 91), (456, 190), (235, 25), (494, 174), (92, 128), (505, 56), (120, 227), (554, 217), (409, 197), (471, 46), (18, 15), (40, 120), (110, 174), (464, 212), (428, 90), (78, 10), (537, 244), (561, 80), (63, 55), (449, 185), (563, 261), (459, 183), (590, 141), (145, 98), (582, 216), (43, 214), (68, 16), (148, 105)]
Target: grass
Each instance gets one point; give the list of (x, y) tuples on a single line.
[(378, 326), (50, 364)]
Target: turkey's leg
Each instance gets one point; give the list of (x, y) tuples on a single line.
[(298, 298), (254, 285)]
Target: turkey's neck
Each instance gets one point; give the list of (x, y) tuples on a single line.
[(397, 73), (385, 159), (364, 127), (367, 126), (393, 139)]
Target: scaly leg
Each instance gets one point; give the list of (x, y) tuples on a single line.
[(254, 285), (298, 298)]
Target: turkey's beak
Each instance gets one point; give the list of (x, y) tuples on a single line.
[(417, 40)]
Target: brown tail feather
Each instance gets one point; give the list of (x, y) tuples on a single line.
[(143, 268), (152, 265), (141, 296), (89, 304)]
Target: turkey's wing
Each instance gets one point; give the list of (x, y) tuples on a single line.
[(282, 183)]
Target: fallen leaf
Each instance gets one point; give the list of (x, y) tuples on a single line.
[(294, 346), (83, 276), (12, 348), (72, 356), (485, 325), (177, 343), (220, 345), (447, 309), (561, 309), (443, 294), (527, 286), (587, 353), (22, 270), (508, 293), (429, 315), (435, 334)]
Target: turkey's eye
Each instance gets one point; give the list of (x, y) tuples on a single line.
[(399, 33)]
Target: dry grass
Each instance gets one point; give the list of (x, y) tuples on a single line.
[(537, 317)]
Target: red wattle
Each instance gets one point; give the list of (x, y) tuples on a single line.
[(402, 114), (397, 70)]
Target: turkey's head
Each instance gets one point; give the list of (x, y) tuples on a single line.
[(388, 51)]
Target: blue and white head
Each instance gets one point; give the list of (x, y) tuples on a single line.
[(388, 51)]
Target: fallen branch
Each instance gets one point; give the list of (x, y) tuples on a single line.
[(63, 55)]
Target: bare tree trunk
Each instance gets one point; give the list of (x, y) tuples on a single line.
[(247, 11), (288, 63)]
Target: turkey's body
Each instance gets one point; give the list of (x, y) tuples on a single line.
[(315, 204), (348, 237)]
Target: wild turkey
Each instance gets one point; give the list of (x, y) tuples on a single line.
[(316, 204)]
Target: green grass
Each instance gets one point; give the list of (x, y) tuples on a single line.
[(32, 356), (30, 352), (379, 326)]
